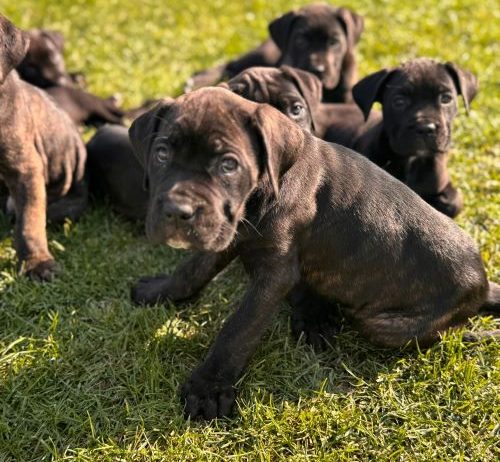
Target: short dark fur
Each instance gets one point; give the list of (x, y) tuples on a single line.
[(412, 139), (229, 177), (42, 158), (317, 38), (85, 108), (44, 67)]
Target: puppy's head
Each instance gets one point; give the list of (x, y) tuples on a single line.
[(317, 38), (294, 92), (13, 46), (419, 102), (44, 65), (204, 154)]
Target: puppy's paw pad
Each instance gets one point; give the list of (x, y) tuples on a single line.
[(205, 399)]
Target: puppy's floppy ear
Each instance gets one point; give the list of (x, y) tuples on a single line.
[(352, 23), (144, 130), (14, 45), (56, 37), (309, 86), (280, 28), (465, 83), (369, 90), (280, 141)]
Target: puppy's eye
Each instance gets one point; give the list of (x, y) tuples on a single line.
[(445, 98), (228, 165), (399, 101), (297, 109), (333, 42), (162, 154)]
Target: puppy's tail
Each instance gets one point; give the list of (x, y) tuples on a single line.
[(492, 304)]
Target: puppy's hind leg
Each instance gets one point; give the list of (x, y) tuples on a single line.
[(318, 319)]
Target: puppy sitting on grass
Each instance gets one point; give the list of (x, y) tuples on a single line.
[(42, 158), (320, 214)]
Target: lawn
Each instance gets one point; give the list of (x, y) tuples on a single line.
[(87, 376)]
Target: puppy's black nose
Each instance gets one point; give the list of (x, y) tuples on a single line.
[(429, 128), (180, 210)]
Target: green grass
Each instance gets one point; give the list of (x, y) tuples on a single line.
[(85, 375)]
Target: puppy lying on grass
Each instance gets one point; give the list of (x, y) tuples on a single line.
[(320, 214), (317, 38)]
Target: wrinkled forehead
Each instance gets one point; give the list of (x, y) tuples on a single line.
[(322, 21), (204, 122), (421, 77), (265, 86)]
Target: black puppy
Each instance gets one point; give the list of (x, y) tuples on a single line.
[(412, 139), (84, 108), (43, 65), (319, 213), (317, 38), (114, 171)]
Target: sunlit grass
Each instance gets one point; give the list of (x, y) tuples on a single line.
[(85, 375)]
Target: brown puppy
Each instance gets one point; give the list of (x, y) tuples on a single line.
[(319, 213), (42, 158), (317, 38), (411, 140), (114, 171)]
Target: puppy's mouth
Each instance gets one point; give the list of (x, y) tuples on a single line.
[(328, 78), (210, 231), (415, 146)]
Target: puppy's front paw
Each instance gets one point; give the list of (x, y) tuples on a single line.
[(205, 398), (40, 271), (150, 290)]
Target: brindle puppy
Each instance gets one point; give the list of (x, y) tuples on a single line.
[(42, 158), (114, 171), (318, 213), (317, 38), (411, 141)]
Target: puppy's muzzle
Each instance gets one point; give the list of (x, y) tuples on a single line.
[(177, 212), (425, 128)]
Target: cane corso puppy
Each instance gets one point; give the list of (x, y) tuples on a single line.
[(317, 38), (42, 158), (412, 138), (114, 171), (43, 64), (319, 213), (44, 67)]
